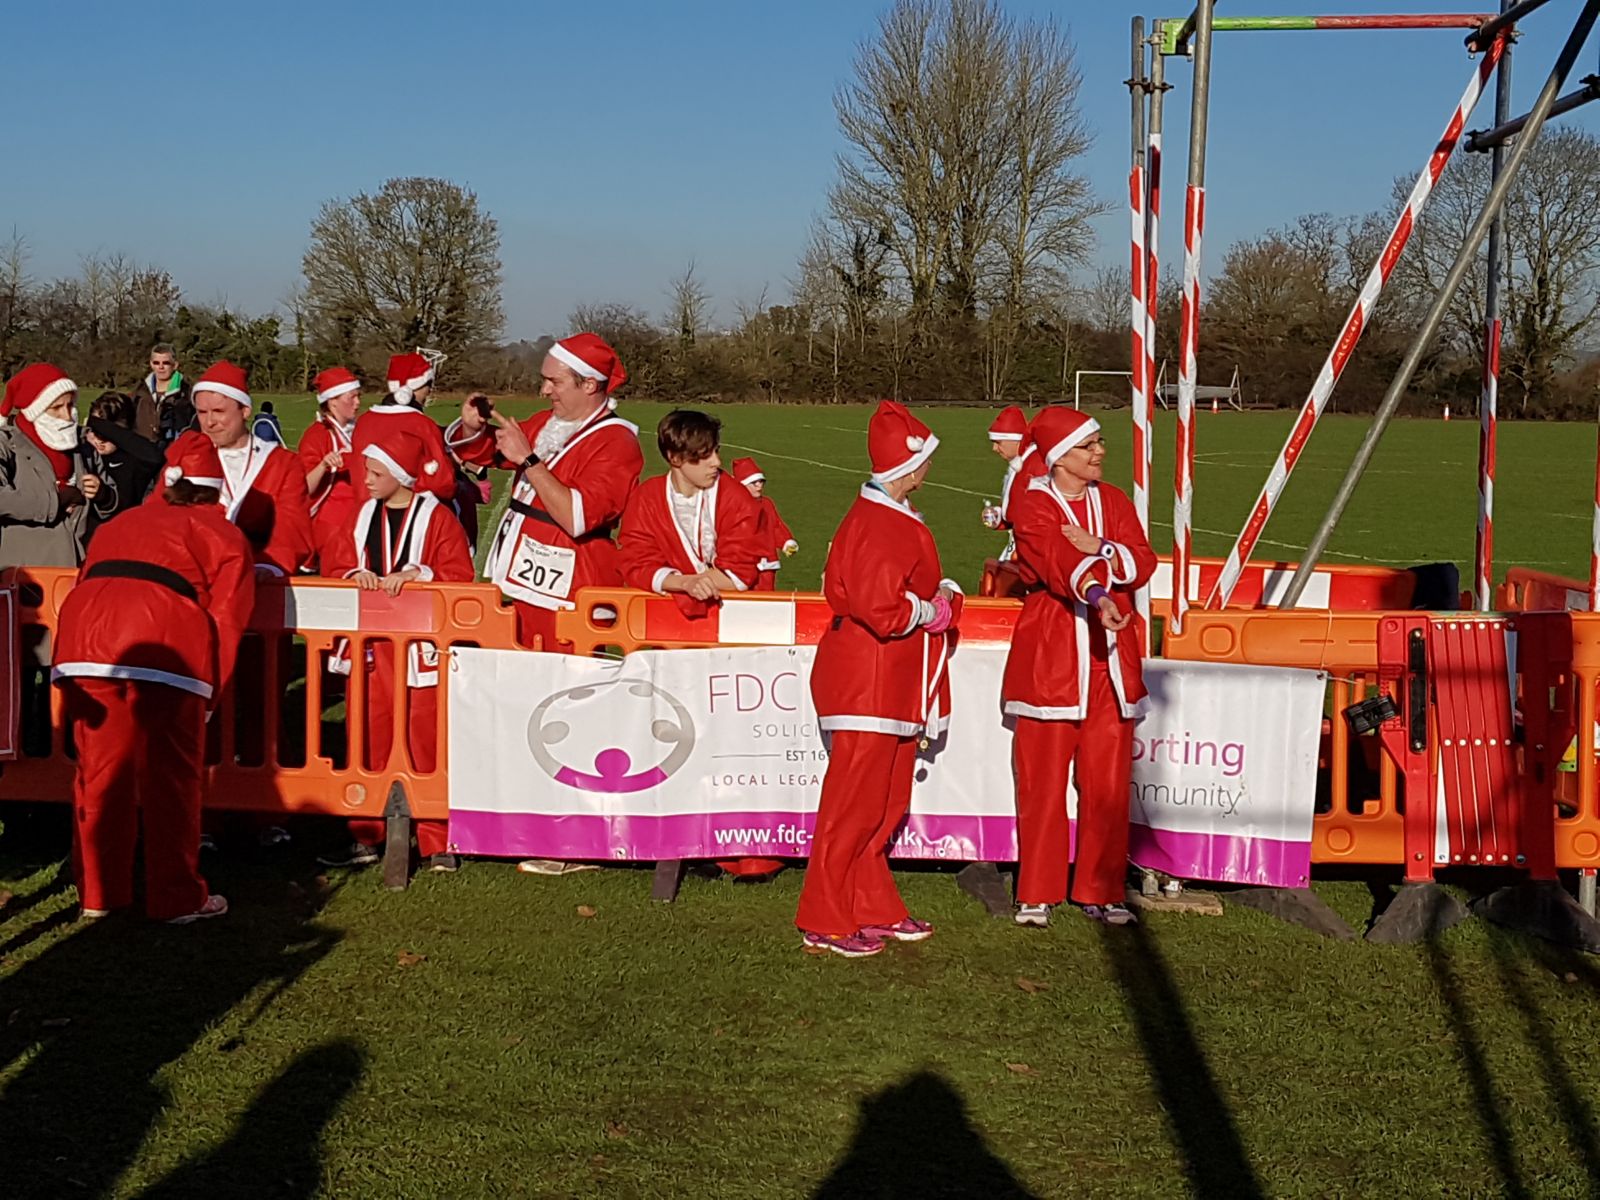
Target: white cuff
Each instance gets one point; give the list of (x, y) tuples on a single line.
[(952, 585), (268, 568), (352, 572), (1089, 563), (424, 572), (916, 613), (1120, 559), (578, 525), (453, 436), (737, 582), (659, 579)]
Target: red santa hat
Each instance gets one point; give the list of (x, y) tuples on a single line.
[(747, 470), (226, 380), (897, 442), (408, 372), (591, 357), (1010, 426), (335, 381), (1058, 429), (193, 457), (33, 389), (403, 454)]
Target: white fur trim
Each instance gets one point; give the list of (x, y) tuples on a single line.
[(758, 477), (578, 526), (339, 389), (566, 356), (919, 456), (223, 389), (866, 724), (47, 396), (412, 384), (375, 451), (659, 579), (1004, 437), (94, 670), (1076, 438)]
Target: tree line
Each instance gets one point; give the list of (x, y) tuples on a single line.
[(951, 262)]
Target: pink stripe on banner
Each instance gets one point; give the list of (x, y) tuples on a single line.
[(1265, 862), (624, 838)]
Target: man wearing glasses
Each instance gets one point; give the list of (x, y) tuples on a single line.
[(164, 406)]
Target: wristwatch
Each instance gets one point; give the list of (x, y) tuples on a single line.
[(532, 460)]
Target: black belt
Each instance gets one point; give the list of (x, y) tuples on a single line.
[(129, 568), (522, 508)]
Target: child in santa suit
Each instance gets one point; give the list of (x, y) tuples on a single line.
[(576, 464), (403, 534), (1073, 678), (694, 534), (880, 685), (327, 453), (777, 541), (1008, 437), (147, 640), (410, 383)]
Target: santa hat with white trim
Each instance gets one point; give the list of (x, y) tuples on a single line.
[(403, 454), (1010, 426), (33, 389), (1058, 429), (406, 373), (227, 380), (592, 357), (333, 382), (747, 470), (897, 442), (193, 457)]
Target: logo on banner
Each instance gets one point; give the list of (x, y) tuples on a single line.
[(633, 753)]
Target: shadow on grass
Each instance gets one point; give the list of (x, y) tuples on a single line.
[(276, 1147), (1197, 1113), (88, 1026), (915, 1140)]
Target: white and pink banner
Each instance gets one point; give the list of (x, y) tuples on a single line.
[(716, 754)]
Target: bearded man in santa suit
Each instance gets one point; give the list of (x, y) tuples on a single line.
[(1008, 437), (777, 539), (402, 534), (410, 383), (576, 464), (1073, 679), (327, 452), (880, 685), (147, 640), (263, 485)]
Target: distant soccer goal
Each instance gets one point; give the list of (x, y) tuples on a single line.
[(1231, 395), (1077, 379)]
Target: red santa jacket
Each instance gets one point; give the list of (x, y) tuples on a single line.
[(1058, 637), (163, 597), (652, 545), (775, 535), (442, 483), (269, 504), (340, 492), (876, 669), (1020, 472), (430, 539), (535, 560)]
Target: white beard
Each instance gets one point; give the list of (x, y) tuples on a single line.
[(59, 433), (555, 434)]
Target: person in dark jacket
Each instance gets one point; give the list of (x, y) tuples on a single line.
[(126, 463), (163, 400)]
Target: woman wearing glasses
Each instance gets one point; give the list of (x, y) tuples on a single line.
[(1073, 679)]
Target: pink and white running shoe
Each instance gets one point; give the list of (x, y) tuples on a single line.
[(851, 945), (908, 930)]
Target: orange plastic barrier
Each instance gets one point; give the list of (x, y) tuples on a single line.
[(270, 749), (1527, 590)]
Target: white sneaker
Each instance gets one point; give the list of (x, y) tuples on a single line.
[(1036, 915), (215, 906), (93, 914), (553, 866)]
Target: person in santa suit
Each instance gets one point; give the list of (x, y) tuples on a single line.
[(1008, 436), (777, 540), (403, 534), (1073, 679), (263, 486), (880, 685), (44, 490), (410, 383), (146, 642), (576, 464), (327, 453)]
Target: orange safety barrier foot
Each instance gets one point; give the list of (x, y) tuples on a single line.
[(397, 839), (984, 883), (1419, 910), (1545, 909), (667, 879)]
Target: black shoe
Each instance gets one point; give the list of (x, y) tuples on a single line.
[(444, 862), (354, 855)]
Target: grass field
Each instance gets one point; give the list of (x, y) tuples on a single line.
[(490, 1034)]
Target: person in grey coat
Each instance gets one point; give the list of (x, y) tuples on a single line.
[(44, 490)]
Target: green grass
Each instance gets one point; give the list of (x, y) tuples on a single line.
[(478, 1035)]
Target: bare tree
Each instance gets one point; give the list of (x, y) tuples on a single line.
[(688, 302), (15, 288), (1106, 300), (417, 263)]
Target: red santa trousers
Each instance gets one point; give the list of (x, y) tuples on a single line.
[(1042, 751), (865, 794), (140, 751), (422, 715)]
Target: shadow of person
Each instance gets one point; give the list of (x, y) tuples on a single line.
[(915, 1140), (276, 1146), (95, 1019)]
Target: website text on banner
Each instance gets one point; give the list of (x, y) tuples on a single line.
[(703, 753)]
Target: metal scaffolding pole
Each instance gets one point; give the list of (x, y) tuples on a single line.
[(1441, 302), (1175, 37), (1505, 129), (1488, 403), (1509, 16)]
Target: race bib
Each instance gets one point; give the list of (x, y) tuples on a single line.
[(543, 569)]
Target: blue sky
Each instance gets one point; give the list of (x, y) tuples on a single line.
[(614, 142)]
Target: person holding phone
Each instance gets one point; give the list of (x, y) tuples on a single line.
[(327, 453), (1074, 681)]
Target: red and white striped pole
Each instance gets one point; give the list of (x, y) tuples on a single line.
[(1152, 277), (1488, 403), (1138, 322), (1194, 218), (1322, 389)]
